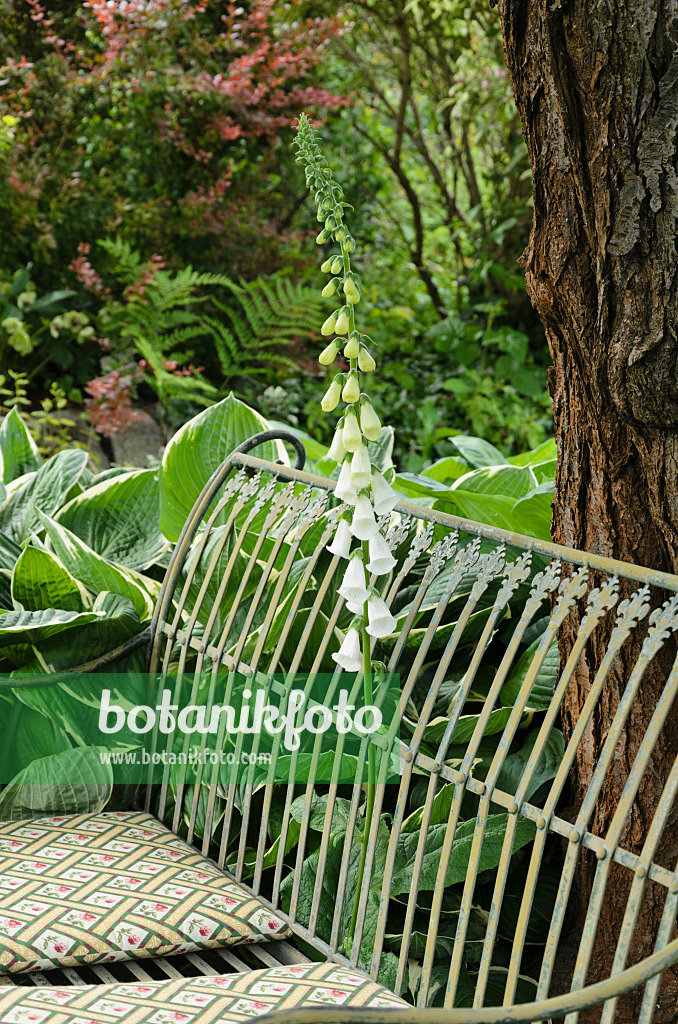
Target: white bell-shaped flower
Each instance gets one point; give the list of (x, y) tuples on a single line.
[(348, 656), (344, 490), (363, 525), (380, 621), (361, 469), (381, 560), (337, 450), (331, 397), (369, 422), (356, 607), (341, 543), (351, 435), (384, 497), (354, 585)]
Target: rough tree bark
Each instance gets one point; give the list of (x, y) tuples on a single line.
[(596, 84)]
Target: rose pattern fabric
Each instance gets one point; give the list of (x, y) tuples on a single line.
[(97, 888), (224, 1000)]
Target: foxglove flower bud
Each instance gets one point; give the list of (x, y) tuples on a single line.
[(322, 237), (341, 544), (331, 397), (385, 498), (354, 585), (337, 450), (363, 525), (369, 421), (337, 265), (351, 392), (351, 291), (380, 621), (330, 323), (365, 361), (361, 470), (341, 326), (329, 289), (349, 244), (351, 435), (352, 346), (381, 560), (340, 234), (329, 354), (327, 266), (344, 490), (348, 655)]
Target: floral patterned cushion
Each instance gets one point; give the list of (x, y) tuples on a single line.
[(95, 888), (237, 997)]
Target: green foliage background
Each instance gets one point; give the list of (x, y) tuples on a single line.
[(106, 149)]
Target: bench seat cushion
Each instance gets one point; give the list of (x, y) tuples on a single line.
[(233, 998), (96, 888)]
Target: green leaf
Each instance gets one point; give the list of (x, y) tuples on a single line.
[(25, 627), (72, 782), (93, 570), (477, 452), (43, 491), (118, 622), (445, 469), (118, 518), (9, 552), (440, 810), (73, 703), (547, 767), (18, 451), (415, 485), (542, 690), (544, 452), (510, 481), (198, 449), (381, 450), (314, 449), (37, 736), (328, 892), (40, 581), (490, 853), (532, 514)]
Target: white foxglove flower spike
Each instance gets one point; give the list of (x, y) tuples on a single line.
[(348, 656), (341, 544), (380, 621), (344, 490), (381, 560), (331, 397), (342, 325), (354, 585), (329, 354), (328, 326), (363, 525), (385, 498), (369, 421), (365, 361), (352, 346), (351, 392), (336, 449), (351, 435), (361, 469)]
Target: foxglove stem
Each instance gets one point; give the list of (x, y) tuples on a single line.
[(371, 773)]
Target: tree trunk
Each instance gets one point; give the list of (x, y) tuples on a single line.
[(596, 84)]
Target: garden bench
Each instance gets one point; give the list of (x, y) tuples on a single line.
[(446, 909)]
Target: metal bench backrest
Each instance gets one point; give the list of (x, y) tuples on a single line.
[(456, 581)]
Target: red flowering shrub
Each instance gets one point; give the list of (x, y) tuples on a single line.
[(158, 121), (109, 405)]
